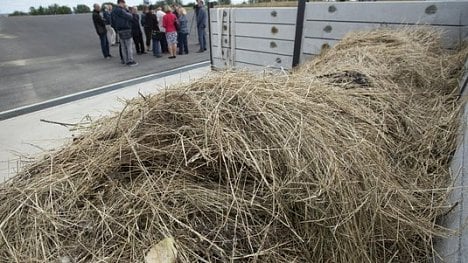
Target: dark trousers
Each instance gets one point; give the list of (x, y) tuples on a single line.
[(164, 47), (139, 44), (148, 36), (104, 45), (183, 45)]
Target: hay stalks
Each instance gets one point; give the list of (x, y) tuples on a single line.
[(344, 160)]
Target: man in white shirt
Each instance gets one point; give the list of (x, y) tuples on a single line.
[(160, 14)]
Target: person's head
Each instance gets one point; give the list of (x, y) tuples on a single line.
[(145, 9), (159, 8), (134, 10), (182, 11), (97, 7), (121, 3), (109, 7), (200, 2), (167, 9)]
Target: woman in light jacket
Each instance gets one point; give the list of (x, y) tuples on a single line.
[(183, 32)]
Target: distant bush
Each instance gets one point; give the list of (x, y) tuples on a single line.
[(54, 9), (81, 9), (18, 13)]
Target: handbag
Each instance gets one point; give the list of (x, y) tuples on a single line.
[(125, 34), (158, 35)]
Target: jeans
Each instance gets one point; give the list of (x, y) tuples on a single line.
[(183, 45), (164, 46), (104, 45), (201, 37), (127, 50), (156, 47)]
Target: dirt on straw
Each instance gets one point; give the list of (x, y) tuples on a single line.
[(343, 160)]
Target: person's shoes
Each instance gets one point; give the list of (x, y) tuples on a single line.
[(158, 56), (122, 62), (108, 57), (144, 52), (132, 64), (205, 49), (171, 57), (180, 53), (200, 51), (186, 53), (139, 53)]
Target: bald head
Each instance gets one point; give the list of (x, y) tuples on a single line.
[(97, 7)]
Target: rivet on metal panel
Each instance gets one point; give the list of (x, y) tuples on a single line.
[(273, 44), (224, 13), (324, 47), (278, 60), (331, 9), (274, 13), (432, 9), (274, 30), (225, 41), (222, 52), (224, 27), (327, 29)]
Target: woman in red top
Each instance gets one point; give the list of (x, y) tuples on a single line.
[(169, 22)]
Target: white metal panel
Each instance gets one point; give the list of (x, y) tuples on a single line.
[(281, 47), (224, 40), (338, 29), (277, 15), (285, 32), (314, 46), (416, 12), (263, 59)]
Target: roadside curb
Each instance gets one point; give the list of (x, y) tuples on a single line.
[(4, 115)]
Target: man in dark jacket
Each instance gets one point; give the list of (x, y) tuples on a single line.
[(136, 32), (146, 23), (200, 12), (121, 19), (100, 26)]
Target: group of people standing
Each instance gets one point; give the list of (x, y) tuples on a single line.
[(165, 29)]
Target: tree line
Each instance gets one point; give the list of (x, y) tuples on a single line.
[(54, 9)]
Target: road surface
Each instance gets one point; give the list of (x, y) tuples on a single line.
[(45, 57)]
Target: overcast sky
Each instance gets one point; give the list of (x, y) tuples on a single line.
[(9, 6)]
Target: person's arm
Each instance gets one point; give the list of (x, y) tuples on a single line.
[(143, 20), (164, 19), (127, 15)]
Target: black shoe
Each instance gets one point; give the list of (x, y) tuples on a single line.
[(205, 49), (122, 62), (171, 57), (200, 51), (132, 64), (158, 56), (144, 52)]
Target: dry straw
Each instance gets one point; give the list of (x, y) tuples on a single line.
[(343, 160)]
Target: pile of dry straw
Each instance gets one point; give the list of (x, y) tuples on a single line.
[(344, 160)]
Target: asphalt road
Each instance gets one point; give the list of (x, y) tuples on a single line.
[(44, 57)]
